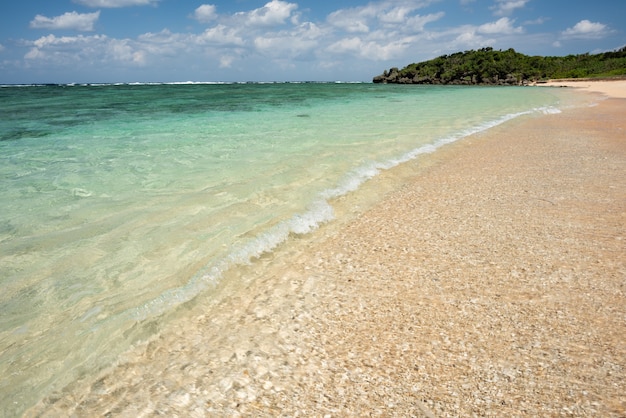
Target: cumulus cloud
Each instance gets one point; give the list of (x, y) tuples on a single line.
[(163, 44), (501, 26), (472, 37), (381, 30), (395, 15), (417, 23), (97, 48), (46, 45), (274, 13), (115, 3), (349, 22), (469, 39), (586, 29), (205, 13), (386, 14), (282, 46), (123, 50), (221, 35), (463, 37), (71, 20), (507, 7), (375, 46), (220, 42), (297, 43)]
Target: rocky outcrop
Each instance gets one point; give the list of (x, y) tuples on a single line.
[(395, 76), (387, 77)]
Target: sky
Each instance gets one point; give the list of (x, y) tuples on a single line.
[(105, 41)]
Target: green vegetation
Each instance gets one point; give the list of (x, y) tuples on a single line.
[(486, 66)]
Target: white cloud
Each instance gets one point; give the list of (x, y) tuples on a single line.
[(586, 30), (51, 45), (96, 49), (503, 25), (71, 20), (226, 61), (395, 15), (348, 22), (382, 14), (162, 44), (417, 23), (357, 19), (297, 43), (283, 46), (342, 46), (123, 50), (220, 35), (221, 44), (507, 7), (466, 37), (205, 13), (469, 38), (310, 30), (274, 13), (52, 40), (371, 48), (115, 3), (501, 32)]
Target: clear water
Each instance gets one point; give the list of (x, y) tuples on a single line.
[(119, 203)]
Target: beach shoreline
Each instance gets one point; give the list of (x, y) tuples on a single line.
[(613, 88), (491, 283)]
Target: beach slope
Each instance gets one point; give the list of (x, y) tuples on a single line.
[(492, 283)]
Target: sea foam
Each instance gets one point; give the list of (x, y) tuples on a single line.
[(319, 212)]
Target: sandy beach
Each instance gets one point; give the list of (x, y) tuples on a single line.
[(611, 88), (492, 283)]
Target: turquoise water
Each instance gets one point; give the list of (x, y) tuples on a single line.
[(119, 203)]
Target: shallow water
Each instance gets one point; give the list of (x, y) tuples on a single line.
[(120, 203)]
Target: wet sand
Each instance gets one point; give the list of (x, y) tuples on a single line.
[(492, 283)]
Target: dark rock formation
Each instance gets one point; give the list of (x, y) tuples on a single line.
[(395, 76)]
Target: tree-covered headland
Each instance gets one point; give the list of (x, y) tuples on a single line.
[(489, 67)]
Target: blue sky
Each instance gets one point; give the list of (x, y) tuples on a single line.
[(82, 41)]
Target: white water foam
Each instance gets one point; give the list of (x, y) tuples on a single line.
[(319, 212), (549, 110)]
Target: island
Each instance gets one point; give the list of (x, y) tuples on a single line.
[(487, 66)]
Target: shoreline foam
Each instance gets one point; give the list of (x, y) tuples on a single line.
[(491, 283)]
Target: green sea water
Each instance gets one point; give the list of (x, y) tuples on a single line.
[(120, 203)]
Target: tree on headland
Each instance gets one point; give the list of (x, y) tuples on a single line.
[(489, 67)]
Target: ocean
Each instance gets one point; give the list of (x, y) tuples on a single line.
[(121, 204)]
